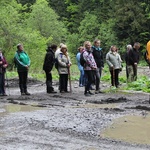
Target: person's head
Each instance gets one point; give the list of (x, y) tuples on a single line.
[(63, 49), (97, 43), (87, 45), (20, 47), (54, 47), (136, 45), (129, 47), (61, 44), (113, 48), (80, 49)]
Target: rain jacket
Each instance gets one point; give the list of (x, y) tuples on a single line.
[(22, 60)]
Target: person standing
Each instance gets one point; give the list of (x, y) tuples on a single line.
[(133, 60), (82, 76), (22, 61), (64, 64), (98, 56), (49, 62), (3, 66), (89, 67), (129, 47), (113, 60)]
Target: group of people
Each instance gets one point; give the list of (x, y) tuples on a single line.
[(90, 72)]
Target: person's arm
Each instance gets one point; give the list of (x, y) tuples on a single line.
[(17, 58), (108, 60)]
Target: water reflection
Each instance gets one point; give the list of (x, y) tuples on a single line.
[(132, 129)]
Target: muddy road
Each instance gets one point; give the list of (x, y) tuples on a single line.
[(116, 120)]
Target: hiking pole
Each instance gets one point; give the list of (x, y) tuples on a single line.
[(69, 78), (7, 83)]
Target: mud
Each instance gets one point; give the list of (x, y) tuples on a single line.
[(71, 121)]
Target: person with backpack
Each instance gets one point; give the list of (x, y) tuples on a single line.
[(64, 64), (22, 61), (147, 53), (98, 56), (89, 67), (113, 60), (133, 60), (3, 66), (80, 67), (49, 62)]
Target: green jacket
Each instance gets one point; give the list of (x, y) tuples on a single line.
[(22, 60)]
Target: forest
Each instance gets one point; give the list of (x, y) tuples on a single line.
[(38, 23)]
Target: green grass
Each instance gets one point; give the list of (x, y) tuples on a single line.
[(142, 83)]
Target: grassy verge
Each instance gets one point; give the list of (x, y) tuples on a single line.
[(142, 83)]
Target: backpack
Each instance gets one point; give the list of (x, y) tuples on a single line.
[(56, 61), (82, 60), (146, 54), (15, 61)]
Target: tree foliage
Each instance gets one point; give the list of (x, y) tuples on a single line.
[(36, 23)]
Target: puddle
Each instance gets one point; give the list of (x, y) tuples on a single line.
[(132, 129), (89, 105), (11, 108)]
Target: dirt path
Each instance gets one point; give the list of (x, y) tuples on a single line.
[(111, 121)]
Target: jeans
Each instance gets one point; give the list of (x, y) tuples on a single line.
[(63, 79), (98, 76), (49, 87), (82, 78), (90, 79), (114, 77), (2, 83), (23, 81)]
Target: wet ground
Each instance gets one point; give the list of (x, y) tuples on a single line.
[(116, 120)]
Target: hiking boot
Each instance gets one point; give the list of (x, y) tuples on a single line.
[(87, 94), (27, 93), (91, 93), (52, 92), (96, 92), (23, 93)]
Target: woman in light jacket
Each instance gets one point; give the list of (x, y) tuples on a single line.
[(113, 60), (63, 68)]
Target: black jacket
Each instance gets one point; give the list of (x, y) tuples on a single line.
[(98, 56), (49, 60), (132, 57)]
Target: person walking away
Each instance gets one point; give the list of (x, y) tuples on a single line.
[(49, 62), (64, 64), (133, 60), (3, 66), (22, 61), (82, 76), (98, 56), (89, 67), (113, 60), (129, 47)]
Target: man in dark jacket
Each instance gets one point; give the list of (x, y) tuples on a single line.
[(98, 56), (49, 62), (132, 62)]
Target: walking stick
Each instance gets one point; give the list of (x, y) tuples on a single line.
[(69, 78), (113, 76), (7, 83), (69, 75)]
